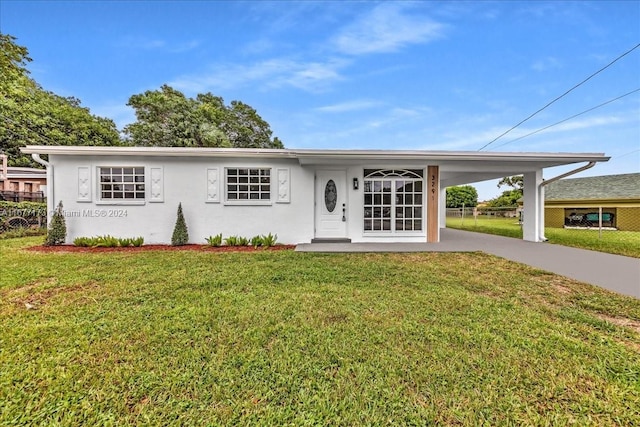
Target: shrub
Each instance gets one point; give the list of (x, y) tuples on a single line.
[(256, 241), (107, 242), (84, 242), (57, 232), (269, 240), (34, 212), (215, 241), (23, 232), (180, 235), (236, 241), (137, 241), (231, 241), (125, 242)]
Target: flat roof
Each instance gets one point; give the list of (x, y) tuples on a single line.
[(456, 167), (307, 155)]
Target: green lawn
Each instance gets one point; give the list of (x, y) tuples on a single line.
[(284, 338), (615, 242)]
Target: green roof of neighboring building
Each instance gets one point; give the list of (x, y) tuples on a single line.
[(625, 186)]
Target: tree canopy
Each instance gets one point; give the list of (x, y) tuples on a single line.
[(516, 182), (464, 195), (509, 198), (166, 117), (31, 115)]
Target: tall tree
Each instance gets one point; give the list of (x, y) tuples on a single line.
[(31, 115), (509, 198), (464, 195), (516, 182), (166, 117)]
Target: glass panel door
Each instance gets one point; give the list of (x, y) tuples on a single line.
[(377, 205), (393, 202)]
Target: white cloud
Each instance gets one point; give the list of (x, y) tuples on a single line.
[(348, 106), (556, 138), (183, 46), (586, 123), (145, 43), (274, 73), (387, 28)]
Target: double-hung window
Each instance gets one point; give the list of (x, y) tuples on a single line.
[(122, 183), (248, 184)]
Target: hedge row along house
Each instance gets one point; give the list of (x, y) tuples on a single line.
[(301, 195), (577, 202)]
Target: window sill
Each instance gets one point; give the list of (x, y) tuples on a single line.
[(248, 203)]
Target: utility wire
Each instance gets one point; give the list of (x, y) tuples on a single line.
[(561, 96), (626, 154), (569, 118)]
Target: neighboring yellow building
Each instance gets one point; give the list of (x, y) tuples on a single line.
[(576, 202)]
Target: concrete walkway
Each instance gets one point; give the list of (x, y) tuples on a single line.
[(614, 272)]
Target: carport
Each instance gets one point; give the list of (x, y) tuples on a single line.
[(484, 166)]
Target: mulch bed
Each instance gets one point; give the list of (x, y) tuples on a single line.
[(144, 248)]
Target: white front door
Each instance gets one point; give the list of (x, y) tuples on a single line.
[(331, 204)]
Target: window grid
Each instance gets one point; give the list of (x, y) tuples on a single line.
[(247, 184), (122, 183), (377, 205), (408, 205), (393, 204)]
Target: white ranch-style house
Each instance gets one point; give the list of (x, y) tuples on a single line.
[(301, 195)]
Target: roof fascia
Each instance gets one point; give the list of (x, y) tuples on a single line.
[(307, 156)]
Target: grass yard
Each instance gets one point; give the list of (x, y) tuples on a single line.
[(615, 242), (284, 338)]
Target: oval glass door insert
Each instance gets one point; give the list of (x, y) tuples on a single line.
[(330, 195)]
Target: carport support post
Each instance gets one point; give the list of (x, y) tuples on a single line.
[(443, 207), (433, 202), (533, 216)]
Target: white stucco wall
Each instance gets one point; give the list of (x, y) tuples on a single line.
[(184, 179)]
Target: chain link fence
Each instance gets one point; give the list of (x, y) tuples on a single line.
[(611, 226), (613, 218), (473, 215)]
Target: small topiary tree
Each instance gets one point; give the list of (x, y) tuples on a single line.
[(57, 232), (180, 233)]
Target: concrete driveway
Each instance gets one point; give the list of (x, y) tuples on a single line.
[(614, 272)]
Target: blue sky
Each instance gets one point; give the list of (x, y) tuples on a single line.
[(371, 75)]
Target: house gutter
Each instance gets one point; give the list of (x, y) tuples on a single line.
[(557, 178), (50, 201), (564, 175)]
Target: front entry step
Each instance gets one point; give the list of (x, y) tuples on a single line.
[(331, 240)]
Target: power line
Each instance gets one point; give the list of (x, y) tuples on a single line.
[(626, 154), (561, 96), (569, 118)]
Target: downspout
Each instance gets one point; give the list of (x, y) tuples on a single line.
[(564, 175), (554, 179), (50, 200)]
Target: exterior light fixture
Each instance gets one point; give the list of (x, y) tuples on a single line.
[(355, 183)]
